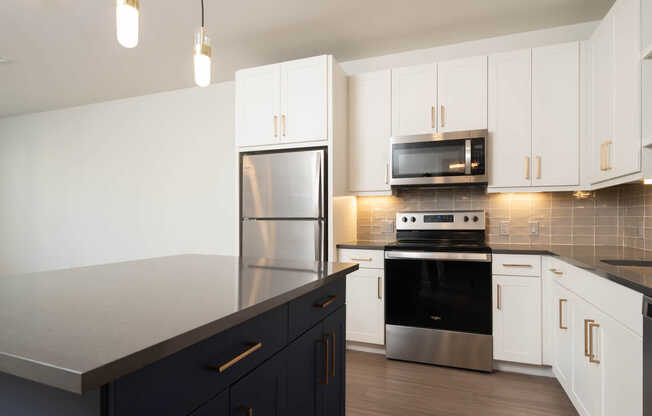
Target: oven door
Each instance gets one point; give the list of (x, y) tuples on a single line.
[(432, 160), (442, 291)]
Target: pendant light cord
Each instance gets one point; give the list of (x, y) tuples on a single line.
[(202, 13)]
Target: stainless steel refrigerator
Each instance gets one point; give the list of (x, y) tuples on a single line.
[(283, 205)]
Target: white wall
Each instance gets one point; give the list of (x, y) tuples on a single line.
[(135, 178)]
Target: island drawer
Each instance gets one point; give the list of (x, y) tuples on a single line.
[(180, 383), (309, 309)]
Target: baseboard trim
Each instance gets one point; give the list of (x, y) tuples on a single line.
[(532, 370), (364, 347)]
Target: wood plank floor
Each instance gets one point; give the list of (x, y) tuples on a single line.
[(377, 386)]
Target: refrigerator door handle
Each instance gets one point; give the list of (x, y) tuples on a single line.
[(319, 161), (317, 240)]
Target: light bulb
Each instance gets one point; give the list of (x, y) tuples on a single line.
[(202, 58), (126, 22)]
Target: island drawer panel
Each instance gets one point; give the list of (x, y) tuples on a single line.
[(309, 309), (180, 383)]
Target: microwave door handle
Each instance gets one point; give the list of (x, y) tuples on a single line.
[(467, 157)]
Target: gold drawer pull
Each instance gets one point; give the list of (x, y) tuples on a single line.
[(561, 310), (239, 357), (246, 411), (517, 265), (327, 302), (498, 300), (527, 167), (538, 167), (557, 272), (586, 347), (361, 258), (325, 379), (380, 288), (591, 355)]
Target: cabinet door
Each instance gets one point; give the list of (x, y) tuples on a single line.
[(304, 99), (587, 375), (602, 94), (365, 306), (555, 115), (517, 319), (263, 391), (563, 303), (510, 118), (414, 94), (306, 369), (335, 388), (462, 94), (626, 150), (369, 131), (258, 105)]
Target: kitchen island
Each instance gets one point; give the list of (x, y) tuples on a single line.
[(179, 335)]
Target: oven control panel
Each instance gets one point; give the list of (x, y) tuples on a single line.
[(441, 220)]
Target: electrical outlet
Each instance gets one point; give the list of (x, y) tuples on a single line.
[(503, 228), (533, 227)]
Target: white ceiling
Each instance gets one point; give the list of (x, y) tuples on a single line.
[(64, 53)]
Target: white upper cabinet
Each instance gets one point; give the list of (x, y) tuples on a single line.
[(258, 105), (304, 99), (462, 94), (414, 100), (285, 102), (555, 115), (369, 131), (510, 122), (602, 95)]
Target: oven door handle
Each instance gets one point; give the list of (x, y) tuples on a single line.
[(443, 256)]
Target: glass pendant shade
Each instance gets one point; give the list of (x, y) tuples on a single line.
[(127, 16), (202, 58)]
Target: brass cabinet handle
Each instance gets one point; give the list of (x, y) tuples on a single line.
[(238, 357), (441, 115), (361, 259), (606, 155), (283, 124), (246, 410), (517, 265), (602, 156), (586, 348), (591, 354), (538, 167), (561, 309), (498, 300), (275, 126), (327, 302), (332, 374), (557, 272), (380, 287), (387, 173), (432, 117), (527, 167), (325, 379)]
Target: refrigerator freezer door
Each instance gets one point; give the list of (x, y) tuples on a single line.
[(283, 185), (283, 239)]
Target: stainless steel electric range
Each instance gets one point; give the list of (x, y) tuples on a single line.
[(438, 290)]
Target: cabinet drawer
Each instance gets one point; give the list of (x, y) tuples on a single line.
[(315, 306), (183, 381), (516, 265), (368, 259)]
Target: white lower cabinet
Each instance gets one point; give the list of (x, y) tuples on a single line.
[(562, 366), (517, 319), (365, 315)]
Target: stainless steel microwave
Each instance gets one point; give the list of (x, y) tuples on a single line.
[(439, 158)]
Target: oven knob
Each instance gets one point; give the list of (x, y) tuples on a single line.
[(404, 219), (475, 218), (413, 219), (466, 219)]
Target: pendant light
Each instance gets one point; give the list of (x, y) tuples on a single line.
[(127, 15), (202, 55)]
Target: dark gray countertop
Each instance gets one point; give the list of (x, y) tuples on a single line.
[(590, 258), (78, 329), (365, 244)]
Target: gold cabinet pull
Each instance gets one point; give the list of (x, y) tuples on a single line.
[(432, 117), (442, 115), (332, 373), (325, 379), (238, 357), (561, 310), (586, 347), (275, 126), (538, 167), (498, 300), (527, 167), (557, 272), (387, 173), (591, 354), (606, 155), (283, 124), (249, 411), (361, 258), (380, 287), (516, 265), (602, 156), (326, 302)]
